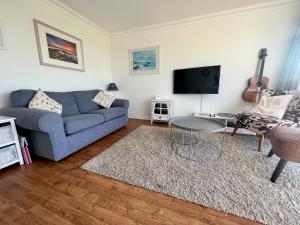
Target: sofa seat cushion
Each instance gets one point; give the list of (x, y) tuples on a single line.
[(77, 123), (111, 113)]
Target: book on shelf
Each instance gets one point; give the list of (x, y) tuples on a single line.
[(25, 150)]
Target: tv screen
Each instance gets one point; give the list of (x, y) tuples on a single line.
[(200, 80)]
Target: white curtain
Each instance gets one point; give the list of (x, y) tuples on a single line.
[(290, 74)]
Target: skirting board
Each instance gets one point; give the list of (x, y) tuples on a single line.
[(139, 117)]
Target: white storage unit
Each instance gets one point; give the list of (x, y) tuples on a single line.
[(161, 110), (10, 151)]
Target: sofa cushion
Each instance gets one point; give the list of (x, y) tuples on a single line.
[(77, 123), (103, 99), (84, 100), (110, 113), (21, 98), (67, 100), (42, 101)]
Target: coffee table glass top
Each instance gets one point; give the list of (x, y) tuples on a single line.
[(197, 124)]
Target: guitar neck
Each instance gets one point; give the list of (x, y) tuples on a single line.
[(261, 71)]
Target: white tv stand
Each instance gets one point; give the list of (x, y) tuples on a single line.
[(224, 119)]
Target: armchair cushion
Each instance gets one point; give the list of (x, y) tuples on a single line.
[(274, 106), (261, 124), (293, 110)]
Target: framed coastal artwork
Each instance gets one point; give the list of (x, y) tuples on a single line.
[(57, 48), (144, 60)]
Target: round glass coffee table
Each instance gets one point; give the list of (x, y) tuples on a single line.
[(189, 125)]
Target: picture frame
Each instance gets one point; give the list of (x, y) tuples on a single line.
[(57, 48), (143, 61)]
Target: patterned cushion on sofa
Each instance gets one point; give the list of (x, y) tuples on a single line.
[(42, 101), (260, 124), (103, 99)]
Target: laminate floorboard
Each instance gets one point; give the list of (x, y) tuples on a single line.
[(60, 193)]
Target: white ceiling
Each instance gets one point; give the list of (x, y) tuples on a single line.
[(120, 15)]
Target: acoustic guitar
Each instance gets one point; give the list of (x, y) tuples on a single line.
[(258, 83)]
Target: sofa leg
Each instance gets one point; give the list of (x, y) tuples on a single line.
[(271, 153), (261, 142), (235, 130), (279, 168)]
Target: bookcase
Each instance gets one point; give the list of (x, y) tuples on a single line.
[(10, 151), (161, 110)]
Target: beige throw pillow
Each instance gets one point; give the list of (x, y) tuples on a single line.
[(272, 106), (42, 101), (103, 99)]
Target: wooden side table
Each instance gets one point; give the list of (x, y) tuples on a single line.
[(10, 151)]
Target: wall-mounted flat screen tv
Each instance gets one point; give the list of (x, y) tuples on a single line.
[(200, 80)]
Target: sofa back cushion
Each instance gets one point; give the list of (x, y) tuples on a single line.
[(84, 100), (21, 98), (67, 100)]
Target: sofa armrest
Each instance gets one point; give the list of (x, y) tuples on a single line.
[(41, 121), (35, 119), (121, 103)]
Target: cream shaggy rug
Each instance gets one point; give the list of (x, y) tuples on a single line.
[(237, 182)]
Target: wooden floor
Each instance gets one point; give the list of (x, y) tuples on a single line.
[(61, 193)]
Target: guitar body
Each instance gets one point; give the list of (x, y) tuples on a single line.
[(257, 84), (252, 93)]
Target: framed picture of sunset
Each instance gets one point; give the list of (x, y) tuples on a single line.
[(57, 48)]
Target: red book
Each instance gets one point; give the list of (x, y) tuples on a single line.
[(24, 153), (27, 151), (28, 155)]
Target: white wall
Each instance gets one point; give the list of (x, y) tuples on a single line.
[(19, 65), (232, 41)]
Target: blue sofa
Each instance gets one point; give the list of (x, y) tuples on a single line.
[(82, 122)]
